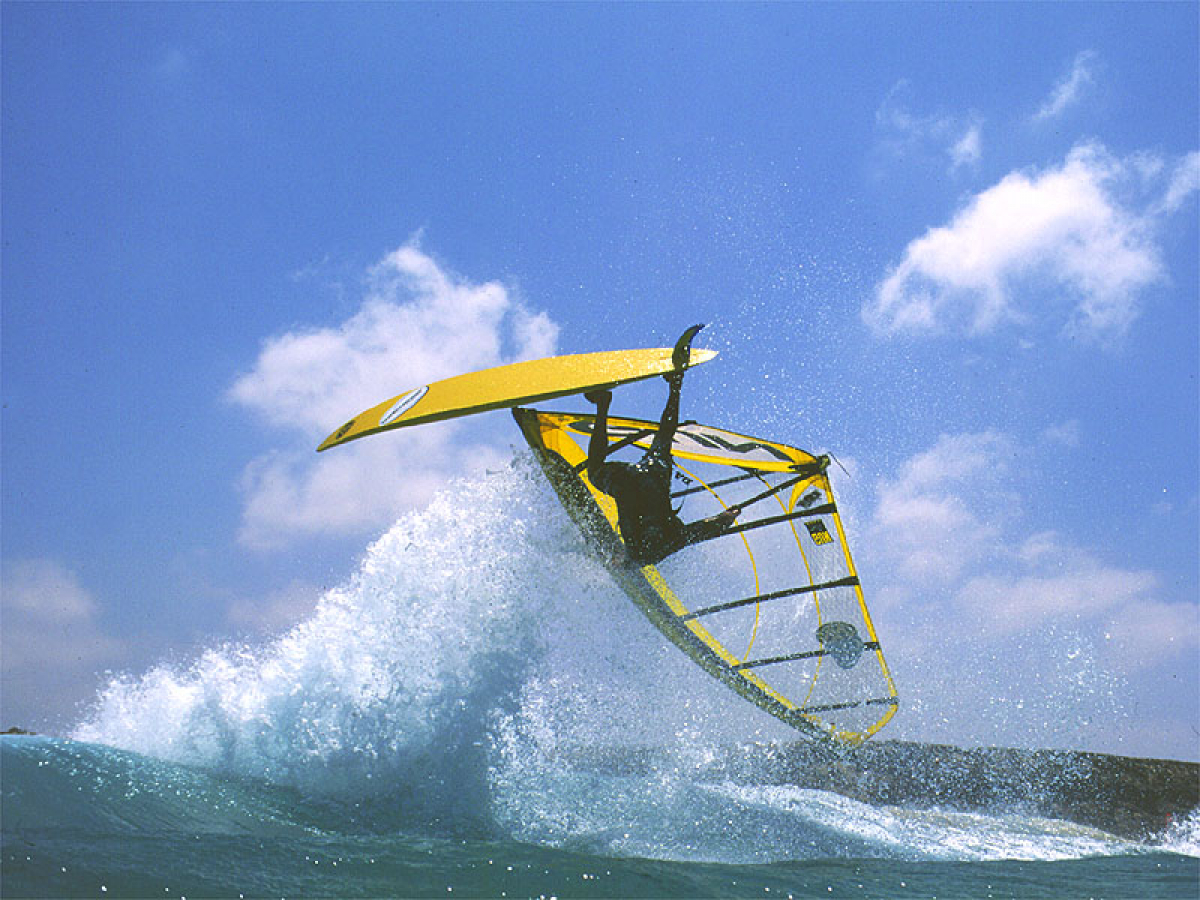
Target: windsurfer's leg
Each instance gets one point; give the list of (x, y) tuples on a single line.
[(598, 442), (660, 450)]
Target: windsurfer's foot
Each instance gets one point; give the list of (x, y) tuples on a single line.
[(599, 398)]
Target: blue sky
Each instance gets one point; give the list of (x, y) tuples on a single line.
[(955, 244)]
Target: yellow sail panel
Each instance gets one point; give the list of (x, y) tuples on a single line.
[(773, 608), (507, 386)]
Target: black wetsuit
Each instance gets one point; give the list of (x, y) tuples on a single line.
[(651, 529)]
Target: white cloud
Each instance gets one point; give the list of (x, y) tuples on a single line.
[(950, 533), (968, 149), (1028, 237), (278, 611), (417, 323), (1071, 88), (1064, 434), (50, 619), (905, 133), (999, 632), (51, 640), (1185, 181), (926, 530), (1082, 589), (1150, 633)]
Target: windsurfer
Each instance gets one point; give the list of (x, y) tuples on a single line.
[(652, 530)]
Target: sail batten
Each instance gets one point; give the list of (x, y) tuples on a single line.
[(818, 664), (849, 581)]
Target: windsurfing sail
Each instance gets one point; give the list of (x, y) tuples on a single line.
[(512, 385), (773, 607)]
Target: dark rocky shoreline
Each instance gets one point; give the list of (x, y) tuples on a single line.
[(1124, 796)]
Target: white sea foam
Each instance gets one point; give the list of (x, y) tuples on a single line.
[(933, 833), (402, 666), (475, 652), (1183, 835)]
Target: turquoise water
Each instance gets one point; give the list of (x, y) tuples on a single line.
[(84, 820), (427, 731)]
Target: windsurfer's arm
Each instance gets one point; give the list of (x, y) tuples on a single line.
[(713, 526)]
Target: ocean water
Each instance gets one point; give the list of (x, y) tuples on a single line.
[(432, 729)]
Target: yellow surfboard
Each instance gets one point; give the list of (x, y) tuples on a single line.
[(513, 385)]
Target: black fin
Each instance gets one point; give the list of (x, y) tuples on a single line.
[(683, 347)]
